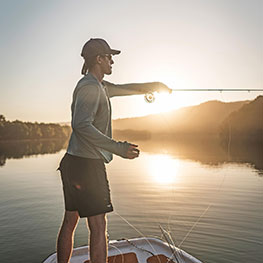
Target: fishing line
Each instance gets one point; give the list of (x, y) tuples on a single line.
[(218, 190), (139, 232), (130, 224), (151, 99), (166, 122), (173, 249), (122, 257), (173, 183), (173, 191)]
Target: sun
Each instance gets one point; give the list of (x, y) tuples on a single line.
[(164, 102)]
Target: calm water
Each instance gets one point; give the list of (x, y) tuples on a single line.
[(175, 185)]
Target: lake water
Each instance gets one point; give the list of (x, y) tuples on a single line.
[(175, 185)]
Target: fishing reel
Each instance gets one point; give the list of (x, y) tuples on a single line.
[(149, 97)]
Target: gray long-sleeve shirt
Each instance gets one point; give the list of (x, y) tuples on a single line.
[(91, 118)]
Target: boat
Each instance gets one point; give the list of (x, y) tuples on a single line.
[(136, 250)]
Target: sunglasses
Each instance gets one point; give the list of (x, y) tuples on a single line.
[(109, 56)]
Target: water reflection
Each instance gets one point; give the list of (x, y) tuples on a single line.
[(163, 168), (206, 150), (20, 149)]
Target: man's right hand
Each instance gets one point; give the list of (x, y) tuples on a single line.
[(128, 150), (133, 151)]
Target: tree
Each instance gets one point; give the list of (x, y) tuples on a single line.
[(2, 118)]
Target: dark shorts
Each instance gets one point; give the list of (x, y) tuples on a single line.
[(85, 185)]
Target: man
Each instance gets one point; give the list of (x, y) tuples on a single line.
[(85, 185)]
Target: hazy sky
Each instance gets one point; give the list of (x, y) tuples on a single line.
[(185, 44)]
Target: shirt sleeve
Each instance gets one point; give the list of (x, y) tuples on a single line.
[(85, 109), (130, 89)]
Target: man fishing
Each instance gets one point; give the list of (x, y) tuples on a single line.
[(85, 185)]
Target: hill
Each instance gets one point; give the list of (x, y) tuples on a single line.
[(204, 118), (245, 124)]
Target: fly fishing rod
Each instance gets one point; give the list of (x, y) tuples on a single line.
[(150, 98)]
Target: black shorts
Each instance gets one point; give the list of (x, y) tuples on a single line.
[(85, 185)]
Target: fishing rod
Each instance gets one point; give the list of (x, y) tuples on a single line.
[(150, 98)]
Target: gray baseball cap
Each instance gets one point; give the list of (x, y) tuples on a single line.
[(97, 46)]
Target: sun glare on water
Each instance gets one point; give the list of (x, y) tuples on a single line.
[(163, 169)]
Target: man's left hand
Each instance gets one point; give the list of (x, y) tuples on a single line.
[(161, 88)]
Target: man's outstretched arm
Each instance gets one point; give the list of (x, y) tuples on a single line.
[(135, 88)]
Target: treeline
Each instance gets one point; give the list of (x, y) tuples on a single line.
[(18, 130)]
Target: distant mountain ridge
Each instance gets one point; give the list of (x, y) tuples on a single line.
[(204, 118), (245, 123)]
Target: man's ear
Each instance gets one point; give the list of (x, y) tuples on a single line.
[(98, 59)]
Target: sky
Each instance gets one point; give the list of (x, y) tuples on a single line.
[(185, 44)]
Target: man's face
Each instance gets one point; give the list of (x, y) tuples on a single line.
[(106, 64)]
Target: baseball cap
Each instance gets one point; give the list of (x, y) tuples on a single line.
[(97, 46)]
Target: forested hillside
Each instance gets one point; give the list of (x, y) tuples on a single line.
[(18, 130), (245, 124)]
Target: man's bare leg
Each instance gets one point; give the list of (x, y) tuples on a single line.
[(98, 239), (66, 236)]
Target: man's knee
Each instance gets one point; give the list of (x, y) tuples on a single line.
[(97, 224)]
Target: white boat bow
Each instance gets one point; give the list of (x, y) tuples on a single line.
[(137, 250)]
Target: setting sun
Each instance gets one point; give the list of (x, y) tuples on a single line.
[(164, 102)]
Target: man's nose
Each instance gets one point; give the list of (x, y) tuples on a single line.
[(111, 61)]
